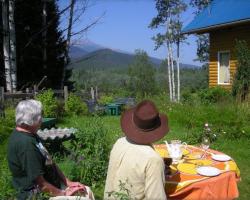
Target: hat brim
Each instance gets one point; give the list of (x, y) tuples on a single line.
[(139, 136)]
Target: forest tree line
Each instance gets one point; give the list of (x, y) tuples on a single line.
[(30, 41)]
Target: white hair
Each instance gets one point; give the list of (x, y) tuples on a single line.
[(28, 112)]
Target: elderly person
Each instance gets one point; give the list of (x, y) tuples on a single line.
[(134, 167), (29, 160)]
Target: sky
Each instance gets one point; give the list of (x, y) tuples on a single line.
[(124, 26)]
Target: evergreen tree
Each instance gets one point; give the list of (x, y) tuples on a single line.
[(55, 49), (202, 39), (2, 77), (29, 29), (142, 75)]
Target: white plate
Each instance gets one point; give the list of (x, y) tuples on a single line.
[(221, 157), (208, 171)]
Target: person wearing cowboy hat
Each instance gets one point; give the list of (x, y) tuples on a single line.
[(135, 169)]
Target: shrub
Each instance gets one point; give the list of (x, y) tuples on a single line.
[(99, 110), (214, 95), (60, 107), (7, 124), (75, 106), (235, 122), (105, 99), (90, 153), (49, 102), (6, 189), (188, 97), (241, 84)]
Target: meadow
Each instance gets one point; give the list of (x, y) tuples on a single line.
[(85, 159)]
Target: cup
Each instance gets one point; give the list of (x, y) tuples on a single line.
[(175, 151), (178, 142)]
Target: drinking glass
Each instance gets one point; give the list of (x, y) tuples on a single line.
[(175, 151), (205, 143)]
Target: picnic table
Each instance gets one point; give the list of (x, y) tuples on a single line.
[(114, 109), (185, 180), (48, 123)]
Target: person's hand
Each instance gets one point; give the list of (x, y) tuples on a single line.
[(61, 193), (69, 191), (76, 184)]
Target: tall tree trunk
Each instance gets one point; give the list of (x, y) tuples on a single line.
[(172, 69), (178, 70), (12, 32), (67, 58), (169, 74), (72, 3), (6, 45), (170, 56), (44, 35)]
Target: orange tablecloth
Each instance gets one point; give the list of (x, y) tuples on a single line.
[(194, 186)]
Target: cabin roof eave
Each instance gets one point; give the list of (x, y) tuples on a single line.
[(216, 27)]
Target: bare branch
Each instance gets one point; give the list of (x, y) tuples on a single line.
[(88, 26), (45, 27)]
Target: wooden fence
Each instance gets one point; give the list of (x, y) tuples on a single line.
[(26, 95)]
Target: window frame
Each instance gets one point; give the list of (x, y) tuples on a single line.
[(218, 67)]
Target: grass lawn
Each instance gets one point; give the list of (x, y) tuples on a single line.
[(240, 151)]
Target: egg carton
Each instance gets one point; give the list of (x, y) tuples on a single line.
[(56, 133)]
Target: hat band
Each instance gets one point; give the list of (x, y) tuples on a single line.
[(146, 125)]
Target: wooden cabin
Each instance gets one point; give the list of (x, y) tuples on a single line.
[(225, 21)]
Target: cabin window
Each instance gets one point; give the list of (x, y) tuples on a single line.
[(223, 67)]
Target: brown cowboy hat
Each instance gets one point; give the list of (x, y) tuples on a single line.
[(143, 124)]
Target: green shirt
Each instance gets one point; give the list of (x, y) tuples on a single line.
[(25, 161)]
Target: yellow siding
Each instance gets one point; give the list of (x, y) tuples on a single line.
[(225, 40)]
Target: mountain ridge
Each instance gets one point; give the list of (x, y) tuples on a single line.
[(92, 55)]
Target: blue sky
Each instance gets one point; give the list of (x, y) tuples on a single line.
[(125, 27)]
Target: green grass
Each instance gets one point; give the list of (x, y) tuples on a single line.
[(239, 150)]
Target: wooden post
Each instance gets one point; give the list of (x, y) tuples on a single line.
[(35, 90), (96, 92), (92, 93), (66, 93), (1, 93), (27, 91)]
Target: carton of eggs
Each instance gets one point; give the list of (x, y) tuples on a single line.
[(56, 133)]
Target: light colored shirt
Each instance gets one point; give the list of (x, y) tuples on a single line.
[(139, 168)]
